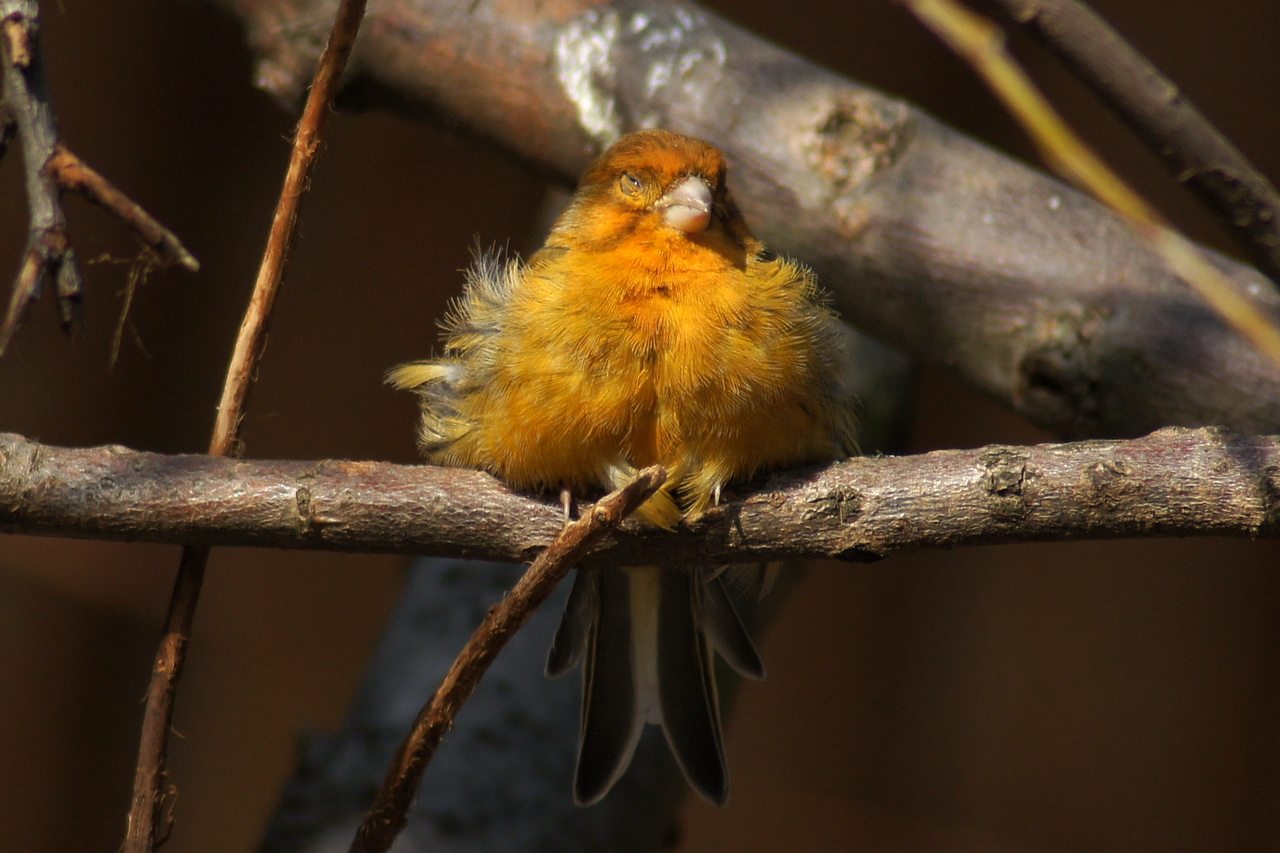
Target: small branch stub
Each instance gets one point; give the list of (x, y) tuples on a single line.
[(14, 30)]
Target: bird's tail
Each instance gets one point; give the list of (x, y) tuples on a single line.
[(647, 636)]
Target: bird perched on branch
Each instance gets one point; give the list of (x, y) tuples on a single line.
[(651, 328)]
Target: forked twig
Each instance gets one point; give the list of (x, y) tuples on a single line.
[(72, 174), (51, 170), (389, 812), (149, 790)]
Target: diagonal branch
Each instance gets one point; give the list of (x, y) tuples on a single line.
[(147, 827), (71, 174), (980, 43), (1175, 482), (389, 812), (1196, 151)]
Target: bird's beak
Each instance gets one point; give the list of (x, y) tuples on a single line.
[(687, 206)]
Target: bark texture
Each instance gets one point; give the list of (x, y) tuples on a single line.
[(932, 242), (1175, 482)]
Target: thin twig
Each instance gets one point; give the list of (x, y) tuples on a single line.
[(72, 174), (150, 815), (389, 812), (981, 44), (149, 780), (139, 269), (1164, 117), (52, 169), (306, 145)]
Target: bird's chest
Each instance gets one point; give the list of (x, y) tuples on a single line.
[(641, 365), (662, 342), (646, 317), (675, 372)]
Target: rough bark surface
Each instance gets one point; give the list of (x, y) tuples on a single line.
[(1175, 482), (932, 242)]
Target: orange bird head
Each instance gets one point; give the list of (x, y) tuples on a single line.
[(659, 188)]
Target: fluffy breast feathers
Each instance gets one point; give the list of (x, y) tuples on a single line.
[(652, 327)]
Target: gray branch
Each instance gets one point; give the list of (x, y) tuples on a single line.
[(26, 99), (932, 242), (1175, 482), (50, 169)]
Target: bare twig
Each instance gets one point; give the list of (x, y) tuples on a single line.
[(1167, 121), (497, 783), (306, 146), (52, 169), (981, 44), (388, 814), (26, 99), (1175, 482), (72, 174), (140, 268), (150, 809), (143, 835)]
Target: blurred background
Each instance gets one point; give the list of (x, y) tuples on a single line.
[(1085, 696)]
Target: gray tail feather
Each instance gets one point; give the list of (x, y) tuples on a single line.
[(724, 628), (573, 634), (686, 686), (611, 718), (695, 615)]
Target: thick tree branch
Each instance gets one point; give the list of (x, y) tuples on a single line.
[(932, 242), (1175, 482), (981, 43)]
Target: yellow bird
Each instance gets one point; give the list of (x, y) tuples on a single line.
[(651, 328)]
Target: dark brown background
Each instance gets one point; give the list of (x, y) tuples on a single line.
[(1101, 697)]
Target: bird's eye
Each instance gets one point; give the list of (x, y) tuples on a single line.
[(629, 184)]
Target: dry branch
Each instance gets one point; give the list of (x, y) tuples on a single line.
[(26, 99), (1197, 153), (51, 169), (1175, 482), (148, 826), (981, 43), (932, 242), (71, 174), (501, 780)]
